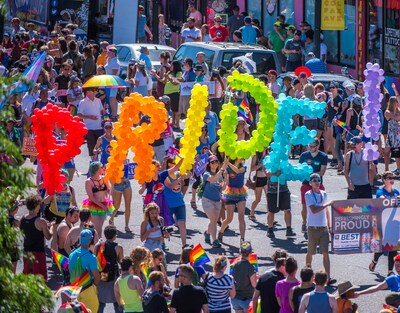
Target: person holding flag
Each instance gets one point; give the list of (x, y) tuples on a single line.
[(84, 271)]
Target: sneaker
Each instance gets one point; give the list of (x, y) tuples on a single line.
[(220, 236), (290, 232), (207, 237), (216, 244), (304, 228), (396, 172), (270, 233)]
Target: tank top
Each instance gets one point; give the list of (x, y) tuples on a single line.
[(235, 180), (298, 293), (319, 302), (203, 147), (34, 238), (131, 299), (355, 119), (105, 150), (358, 169), (156, 234)]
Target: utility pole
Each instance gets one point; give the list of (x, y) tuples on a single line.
[(317, 30), (155, 21)]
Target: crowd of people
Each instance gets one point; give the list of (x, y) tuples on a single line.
[(75, 228)]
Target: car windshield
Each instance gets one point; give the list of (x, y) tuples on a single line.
[(155, 54), (191, 51), (264, 60)]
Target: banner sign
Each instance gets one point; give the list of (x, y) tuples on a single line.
[(172, 152), (332, 15), (129, 170), (201, 164), (28, 146), (365, 225), (167, 132), (186, 88)]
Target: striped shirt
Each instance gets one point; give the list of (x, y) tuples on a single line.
[(217, 290)]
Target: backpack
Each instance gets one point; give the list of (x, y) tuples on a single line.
[(201, 188), (110, 271), (77, 270)]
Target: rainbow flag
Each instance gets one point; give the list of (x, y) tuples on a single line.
[(101, 259), (258, 307), (82, 280), (342, 124), (252, 260), (244, 111), (71, 291), (198, 256), (168, 302), (146, 272), (61, 260)]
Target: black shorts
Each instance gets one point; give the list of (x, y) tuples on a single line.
[(186, 182), (261, 181), (360, 192), (284, 201), (174, 101)]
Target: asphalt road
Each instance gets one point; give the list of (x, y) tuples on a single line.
[(343, 267)]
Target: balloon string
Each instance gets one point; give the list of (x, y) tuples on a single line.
[(277, 199)]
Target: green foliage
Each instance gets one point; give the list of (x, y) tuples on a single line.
[(18, 292)]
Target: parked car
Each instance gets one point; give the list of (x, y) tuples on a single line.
[(223, 53), (325, 79), (130, 51)]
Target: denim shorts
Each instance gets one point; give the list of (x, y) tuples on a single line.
[(179, 212), (243, 305), (121, 187)]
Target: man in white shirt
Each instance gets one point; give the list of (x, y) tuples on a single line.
[(318, 223), (90, 111), (191, 33), (112, 68), (273, 85)]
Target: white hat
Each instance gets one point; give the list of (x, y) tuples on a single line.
[(241, 119)]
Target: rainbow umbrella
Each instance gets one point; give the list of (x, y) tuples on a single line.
[(109, 81)]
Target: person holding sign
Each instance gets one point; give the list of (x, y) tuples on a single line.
[(318, 224), (387, 191)]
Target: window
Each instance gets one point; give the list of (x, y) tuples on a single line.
[(375, 31), (341, 44), (286, 7), (264, 60), (253, 8), (124, 54), (187, 51), (392, 38)]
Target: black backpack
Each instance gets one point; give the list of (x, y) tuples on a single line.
[(110, 271)]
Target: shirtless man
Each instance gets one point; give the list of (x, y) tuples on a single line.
[(71, 217)]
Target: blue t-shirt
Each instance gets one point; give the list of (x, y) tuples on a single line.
[(212, 191), (383, 192), (141, 22), (316, 66), (174, 196), (212, 122), (316, 163), (147, 61), (189, 76), (249, 35), (393, 283), (235, 180), (88, 260)]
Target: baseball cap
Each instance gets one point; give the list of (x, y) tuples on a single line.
[(356, 140), (72, 307), (357, 100), (213, 157), (272, 72), (112, 49), (334, 84), (85, 237), (397, 258), (349, 85), (277, 23), (6, 34), (104, 44), (314, 176), (245, 246), (217, 17), (200, 53), (311, 55), (165, 99), (53, 34), (108, 123), (292, 27), (247, 19), (141, 63), (142, 49)]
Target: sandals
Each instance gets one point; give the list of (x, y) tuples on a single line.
[(331, 281), (111, 221), (127, 229), (372, 266), (252, 218), (193, 204)]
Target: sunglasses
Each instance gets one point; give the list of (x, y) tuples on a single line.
[(213, 162), (107, 127), (389, 178), (332, 87), (67, 68), (315, 180), (313, 146)]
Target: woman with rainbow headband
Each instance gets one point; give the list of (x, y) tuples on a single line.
[(220, 287), (234, 194), (74, 95), (98, 191)]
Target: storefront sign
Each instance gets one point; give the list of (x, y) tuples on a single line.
[(392, 36), (332, 15), (365, 225), (28, 147), (186, 88)]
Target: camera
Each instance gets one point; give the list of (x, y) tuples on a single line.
[(167, 229)]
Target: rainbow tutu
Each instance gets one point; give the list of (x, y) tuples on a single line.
[(95, 210), (234, 194)]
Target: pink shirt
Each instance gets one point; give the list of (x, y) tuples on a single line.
[(282, 291)]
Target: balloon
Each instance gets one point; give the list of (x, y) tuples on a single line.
[(284, 136), (138, 138), (373, 97), (52, 154), (194, 124), (262, 136)]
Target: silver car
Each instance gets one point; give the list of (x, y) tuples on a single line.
[(130, 51)]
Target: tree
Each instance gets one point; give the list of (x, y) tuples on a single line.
[(18, 292)]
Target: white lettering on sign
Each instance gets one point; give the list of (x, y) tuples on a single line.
[(392, 36)]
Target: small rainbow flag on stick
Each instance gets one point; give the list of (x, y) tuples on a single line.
[(198, 256), (342, 124), (146, 272), (61, 261), (101, 259), (82, 280), (244, 111), (71, 291), (252, 260)]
